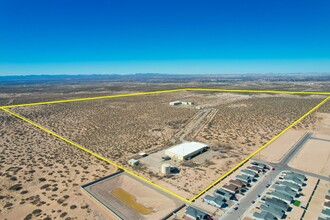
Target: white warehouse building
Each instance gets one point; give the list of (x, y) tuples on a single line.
[(186, 151)]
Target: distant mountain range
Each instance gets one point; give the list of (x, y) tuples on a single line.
[(163, 78)]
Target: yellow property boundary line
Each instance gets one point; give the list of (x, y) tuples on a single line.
[(168, 91), (5, 108)]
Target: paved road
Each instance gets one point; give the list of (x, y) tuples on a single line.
[(251, 195), (283, 164), (259, 188)]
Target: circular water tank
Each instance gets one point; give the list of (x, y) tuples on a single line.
[(166, 168)]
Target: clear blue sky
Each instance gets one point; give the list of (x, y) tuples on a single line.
[(164, 36)]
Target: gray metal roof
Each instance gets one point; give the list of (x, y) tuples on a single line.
[(297, 175), (291, 185), (261, 165), (264, 215), (249, 172), (293, 179), (244, 178), (223, 193), (216, 199), (286, 190), (278, 213), (195, 212), (281, 196), (277, 203), (326, 212)]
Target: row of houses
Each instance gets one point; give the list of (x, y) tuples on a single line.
[(283, 195), (272, 208), (226, 193), (235, 186), (251, 173)]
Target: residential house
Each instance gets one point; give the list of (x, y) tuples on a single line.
[(216, 201), (249, 173), (278, 213), (281, 196), (293, 186), (225, 194), (195, 214), (231, 188), (277, 203), (286, 190), (264, 215)]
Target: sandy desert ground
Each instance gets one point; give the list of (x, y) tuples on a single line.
[(120, 128), (314, 156), (40, 176), (278, 149)]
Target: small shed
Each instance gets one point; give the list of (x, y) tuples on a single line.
[(133, 162), (175, 103)]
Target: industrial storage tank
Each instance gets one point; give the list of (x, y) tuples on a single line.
[(166, 168)]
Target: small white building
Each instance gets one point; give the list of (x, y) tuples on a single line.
[(181, 103), (186, 151), (186, 103), (166, 169), (133, 162), (176, 103)]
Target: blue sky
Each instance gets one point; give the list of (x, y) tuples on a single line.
[(164, 36)]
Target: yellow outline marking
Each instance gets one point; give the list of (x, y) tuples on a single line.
[(258, 91), (4, 108), (91, 152), (260, 148), (167, 91), (92, 98)]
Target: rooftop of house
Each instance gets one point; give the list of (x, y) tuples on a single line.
[(278, 203), (264, 215), (195, 212), (237, 182)]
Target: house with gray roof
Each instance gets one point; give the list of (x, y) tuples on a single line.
[(195, 214), (278, 213), (216, 201), (225, 194), (326, 212), (297, 175), (259, 165), (281, 196), (264, 215), (293, 186), (277, 203), (249, 173), (293, 179), (286, 190), (245, 178), (254, 169)]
